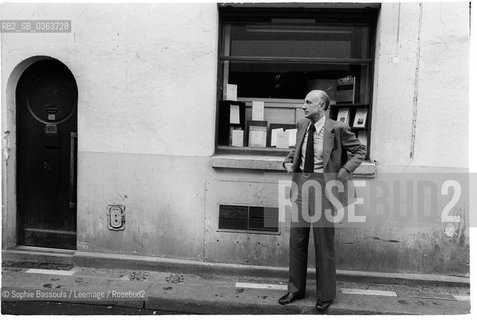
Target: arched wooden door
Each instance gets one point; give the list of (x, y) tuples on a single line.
[(46, 119)]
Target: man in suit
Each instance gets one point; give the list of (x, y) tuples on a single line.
[(325, 150)]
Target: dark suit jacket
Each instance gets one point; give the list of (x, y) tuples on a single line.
[(338, 140)]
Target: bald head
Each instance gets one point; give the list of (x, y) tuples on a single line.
[(319, 96), (315, 105)]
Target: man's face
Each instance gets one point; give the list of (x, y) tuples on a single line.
[(313, 107)]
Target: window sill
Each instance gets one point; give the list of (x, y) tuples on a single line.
[(274, 163), (273, 233), (244, 161)]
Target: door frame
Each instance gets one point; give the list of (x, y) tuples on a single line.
[(9, 150)]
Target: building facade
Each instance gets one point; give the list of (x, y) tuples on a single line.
[(145, 94)]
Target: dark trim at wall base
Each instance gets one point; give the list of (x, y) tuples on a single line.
[(108, 260), (39, 255), (123, 261)]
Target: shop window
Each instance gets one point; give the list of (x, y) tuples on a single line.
[(270, 59)]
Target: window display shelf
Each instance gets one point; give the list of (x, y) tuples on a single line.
[(366, 170)]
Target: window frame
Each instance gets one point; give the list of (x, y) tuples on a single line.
[(334, 14)]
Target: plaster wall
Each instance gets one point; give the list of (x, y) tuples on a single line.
[(420, 99)]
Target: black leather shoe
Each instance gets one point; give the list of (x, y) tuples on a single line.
[(290, 297), (322, 306)]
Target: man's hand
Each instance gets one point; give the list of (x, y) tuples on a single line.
[(343, 175), (288, 167)]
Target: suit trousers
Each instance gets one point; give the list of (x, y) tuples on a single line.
[(311, 204)]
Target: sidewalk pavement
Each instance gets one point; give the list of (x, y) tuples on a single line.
[(172, 292)]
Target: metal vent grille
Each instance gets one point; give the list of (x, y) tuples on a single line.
[(247, 218)]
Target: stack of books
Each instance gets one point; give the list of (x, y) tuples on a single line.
[(345, 90)]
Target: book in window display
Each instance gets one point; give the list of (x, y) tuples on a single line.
[(258, 110), (345, 90), (231, 117), (273, 136), (237, 136), (360, 118), (279, 138), (257, 133), (282, 140), (343, 115), (230, 93), (292, 137), (276, 129), (234, 114)]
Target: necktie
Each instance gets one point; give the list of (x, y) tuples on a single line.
[(310, 154)]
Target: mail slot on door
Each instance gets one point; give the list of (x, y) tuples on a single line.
[(51, 112)]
